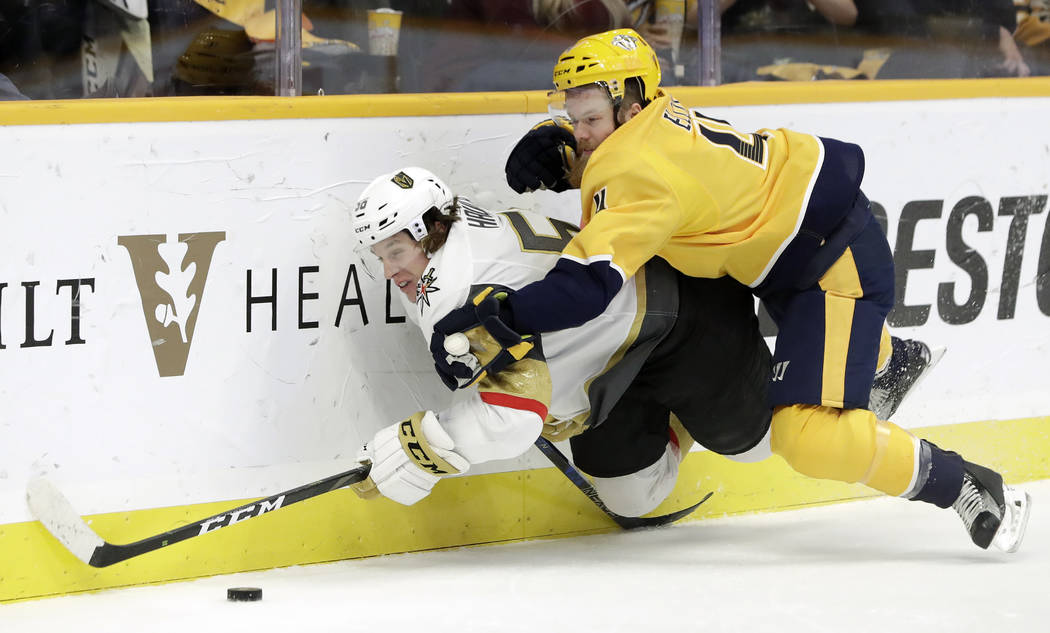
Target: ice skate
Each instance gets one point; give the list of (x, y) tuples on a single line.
[(909, 364), (993, 513)]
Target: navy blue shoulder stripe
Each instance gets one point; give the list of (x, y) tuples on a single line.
[(571, 294)]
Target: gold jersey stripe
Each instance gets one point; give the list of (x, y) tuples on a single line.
[(632, 334), (842, 286)]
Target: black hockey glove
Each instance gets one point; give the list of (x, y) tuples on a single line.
[(453, 372), (488, 310), (542, 158)]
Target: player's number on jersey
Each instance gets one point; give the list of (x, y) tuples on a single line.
[(751, 148), (533, 242)]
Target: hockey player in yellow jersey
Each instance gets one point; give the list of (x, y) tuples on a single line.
[(779, 211)]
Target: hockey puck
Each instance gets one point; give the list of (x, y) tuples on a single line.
[(244, 594)]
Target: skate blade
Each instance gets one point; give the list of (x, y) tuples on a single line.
[(881, 411), (1011, 532), (935, 357)]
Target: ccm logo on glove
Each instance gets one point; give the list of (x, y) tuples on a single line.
[(418, 449)]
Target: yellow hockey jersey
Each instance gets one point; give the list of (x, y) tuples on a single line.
[(710, 200)]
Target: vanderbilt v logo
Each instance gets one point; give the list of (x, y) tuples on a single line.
[(170, 277)]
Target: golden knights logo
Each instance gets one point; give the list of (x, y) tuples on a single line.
[(403, 180), (424, 288)]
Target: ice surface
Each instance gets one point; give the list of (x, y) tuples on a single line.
[(882, 565)]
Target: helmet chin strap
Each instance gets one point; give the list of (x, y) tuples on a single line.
[(618, 103)]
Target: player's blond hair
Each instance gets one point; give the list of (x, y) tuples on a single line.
[(438, 224)]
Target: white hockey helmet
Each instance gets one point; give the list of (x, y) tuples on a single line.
[(397, 201)]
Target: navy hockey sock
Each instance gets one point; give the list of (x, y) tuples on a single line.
[(943, 474)]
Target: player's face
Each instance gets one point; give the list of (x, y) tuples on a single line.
[(591, 115), (404, 261)]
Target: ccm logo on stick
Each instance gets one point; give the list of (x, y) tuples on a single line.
[(251, 511)]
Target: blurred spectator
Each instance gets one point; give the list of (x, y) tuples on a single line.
[(799, 40), (218, 62), (794, 40), (804, 17), (228, 48), (838, 12), (1033, 33), (786, 15), (40, 46), (174, 25), (8, 91), (1033, 21), (73, 48), (974, 26), (510, 44)]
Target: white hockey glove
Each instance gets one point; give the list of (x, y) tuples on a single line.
[(408, 458)]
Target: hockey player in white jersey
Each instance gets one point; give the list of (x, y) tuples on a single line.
[(609, 385)]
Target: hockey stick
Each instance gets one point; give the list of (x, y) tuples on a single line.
[(628, 523), (54, 511), (58, 516)]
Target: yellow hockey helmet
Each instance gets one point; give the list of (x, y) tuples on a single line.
[(609, 59)]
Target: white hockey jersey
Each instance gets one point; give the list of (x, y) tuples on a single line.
[(589, 366)]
